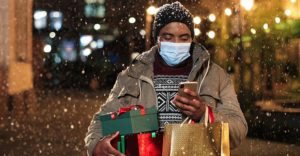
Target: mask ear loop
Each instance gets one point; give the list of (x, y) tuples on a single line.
[(158, 42), (158, 39)]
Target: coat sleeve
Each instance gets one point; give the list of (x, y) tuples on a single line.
[(228, 110), (94, 133)]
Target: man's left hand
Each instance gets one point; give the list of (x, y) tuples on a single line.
[(193, 107)]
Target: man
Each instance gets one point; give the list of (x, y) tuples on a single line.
[(154, 76)]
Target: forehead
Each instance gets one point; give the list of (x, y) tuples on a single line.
[(175, 28)]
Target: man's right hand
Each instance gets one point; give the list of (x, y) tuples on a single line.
[(104, 147)]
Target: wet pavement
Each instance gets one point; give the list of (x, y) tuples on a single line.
[(59, 125)]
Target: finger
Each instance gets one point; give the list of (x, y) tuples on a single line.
[(183, 106), (192, 102), (113, 136), (192, 115), (188, 113), (113, 151), (190, 92), (196, 103), (175, 99), (181, 99)]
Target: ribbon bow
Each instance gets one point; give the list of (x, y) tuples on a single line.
[(123, 110)]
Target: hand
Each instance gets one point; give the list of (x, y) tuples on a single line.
[(194, 107), (104, 147)]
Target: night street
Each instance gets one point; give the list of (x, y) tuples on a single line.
[(60, 124), (233, 63)]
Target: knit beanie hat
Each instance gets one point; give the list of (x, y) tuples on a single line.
[(174, 12)]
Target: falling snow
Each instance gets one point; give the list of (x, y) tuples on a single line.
[(259, 48), (61, 133)]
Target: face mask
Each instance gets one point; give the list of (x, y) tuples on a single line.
[(174, 53)]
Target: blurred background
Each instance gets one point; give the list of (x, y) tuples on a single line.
[(59, 60)]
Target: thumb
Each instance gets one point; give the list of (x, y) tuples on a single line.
[(113, 136)]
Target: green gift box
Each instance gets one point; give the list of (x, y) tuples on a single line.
[(131, 121)]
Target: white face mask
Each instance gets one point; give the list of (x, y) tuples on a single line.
[(174, 53)]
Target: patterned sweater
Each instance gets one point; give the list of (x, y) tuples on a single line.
[(166, 82)]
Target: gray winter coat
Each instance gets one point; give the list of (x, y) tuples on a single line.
[(135, 86)]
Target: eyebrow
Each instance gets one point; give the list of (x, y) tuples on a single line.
[(165, 34), (182, 35), (185, 35)]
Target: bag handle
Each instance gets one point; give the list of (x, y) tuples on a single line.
[(208, 117)]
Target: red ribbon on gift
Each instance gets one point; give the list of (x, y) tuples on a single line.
[(149, 146), (127, 109), (141, 144)]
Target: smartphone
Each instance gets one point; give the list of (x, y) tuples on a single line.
[(191, 85)]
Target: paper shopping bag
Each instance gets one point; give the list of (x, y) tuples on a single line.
[(199, 139), (196, 140)]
